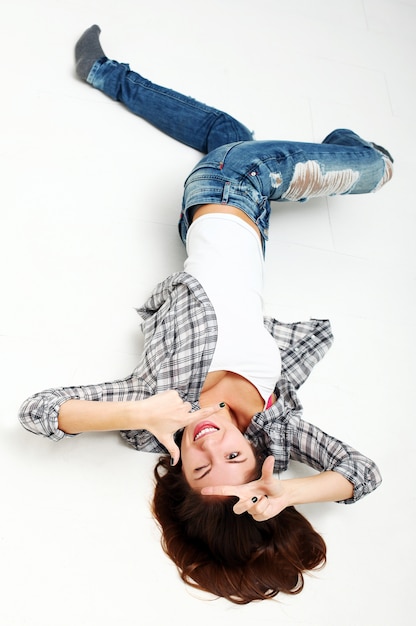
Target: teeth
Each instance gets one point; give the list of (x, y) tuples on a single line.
[(205, 431)]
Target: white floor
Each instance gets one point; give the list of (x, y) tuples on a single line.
[(89, 204)]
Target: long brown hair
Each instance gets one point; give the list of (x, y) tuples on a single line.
[(230, 555)]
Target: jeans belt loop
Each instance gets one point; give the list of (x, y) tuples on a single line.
[(226, 192)]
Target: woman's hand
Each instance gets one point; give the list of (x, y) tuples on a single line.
[(165, 413), (263, 498), (268, 496)]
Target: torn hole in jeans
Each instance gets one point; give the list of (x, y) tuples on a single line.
[(308, 181)]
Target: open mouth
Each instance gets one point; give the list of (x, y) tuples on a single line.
[(204, 428)]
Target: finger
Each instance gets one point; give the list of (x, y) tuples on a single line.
[(253, 505), (221, 490), (266, 513), (173, 450), (207, 411), (267, 468), (261, 508), (188, 416), (242, 506)]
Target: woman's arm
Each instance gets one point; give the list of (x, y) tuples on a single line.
[(41, 412), (268, 496), (162, 415), (76, 416), (327, 486), (125, 404), (325, 453)]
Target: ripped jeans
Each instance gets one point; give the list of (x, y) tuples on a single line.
[(238, 170)]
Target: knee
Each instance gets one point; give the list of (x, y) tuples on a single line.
[(226, 129)]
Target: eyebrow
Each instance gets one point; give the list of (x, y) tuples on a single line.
[(208, 471)]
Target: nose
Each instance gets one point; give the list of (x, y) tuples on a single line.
[(209, 441)]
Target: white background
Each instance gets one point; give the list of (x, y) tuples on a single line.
[(90, 197)]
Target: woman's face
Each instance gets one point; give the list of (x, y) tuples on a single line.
[(215, 452)]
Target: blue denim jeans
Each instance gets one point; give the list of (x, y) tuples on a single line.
[(238, 170)]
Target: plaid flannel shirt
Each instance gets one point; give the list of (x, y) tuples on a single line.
[(180, 331)]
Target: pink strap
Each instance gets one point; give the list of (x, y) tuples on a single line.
[(269, 402)]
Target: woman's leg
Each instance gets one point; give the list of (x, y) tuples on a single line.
[(249, 175), (186, 120), (343, 163)]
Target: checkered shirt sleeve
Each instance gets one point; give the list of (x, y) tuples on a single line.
[(39, 413), (180, 332)]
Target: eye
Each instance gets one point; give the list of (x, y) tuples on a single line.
[(198, 469), (232, 455)]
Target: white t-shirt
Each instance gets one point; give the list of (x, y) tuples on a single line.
[(225, 256)]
